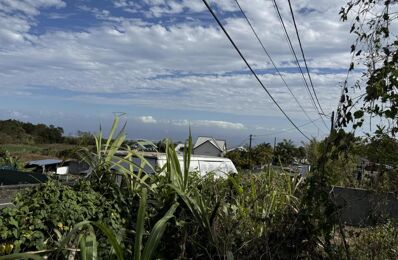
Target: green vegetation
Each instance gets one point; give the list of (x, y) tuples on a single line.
[(379, 242), (180, 215), (375, 47), (7, 161), (28, 141), (284, 154), (44, 215), (21, 137), (177, 215), (13, 131), (286, 151)]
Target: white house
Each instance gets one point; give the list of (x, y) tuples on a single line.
[(209, 146)]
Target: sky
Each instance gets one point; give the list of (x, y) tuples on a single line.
[(168, 66)]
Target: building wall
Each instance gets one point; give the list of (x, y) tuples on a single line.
[(360, 207), (207, 149)]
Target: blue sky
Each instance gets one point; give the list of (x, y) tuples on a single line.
[(167, 65)]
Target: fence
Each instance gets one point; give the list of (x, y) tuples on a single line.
[(359, 207), (12, 177)]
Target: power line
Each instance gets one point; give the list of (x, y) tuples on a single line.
[(289, 129), (251, 69), (302, 53), (272, 61), (297, 61), (294, 53), (241, 143)]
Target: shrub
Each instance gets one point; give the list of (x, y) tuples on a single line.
[(7, 161), (379, 242), (44, 214)]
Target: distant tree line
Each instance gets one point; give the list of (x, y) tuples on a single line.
[(284, 154), (15, 132)]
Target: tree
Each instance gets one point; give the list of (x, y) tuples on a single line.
[(85, 138), (313, 151), (376, 48), (239, 158), (284, 152), (262, 154), (300, 152)]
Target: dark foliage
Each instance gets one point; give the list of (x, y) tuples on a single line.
[(13, 131)]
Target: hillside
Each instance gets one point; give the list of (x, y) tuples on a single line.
[(17, 132)]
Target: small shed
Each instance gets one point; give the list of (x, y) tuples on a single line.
[(46, 165)]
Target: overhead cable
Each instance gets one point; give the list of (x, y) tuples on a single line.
[(272, 62), (251, 69), (302, 53), (297, 62)]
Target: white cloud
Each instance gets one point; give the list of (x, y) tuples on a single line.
[(131, 59), (209, 123), (18, 115), (27, 7), (18, 17), (147, 120)]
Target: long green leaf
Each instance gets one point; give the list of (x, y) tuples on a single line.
[(187, 159), (116, 144), (140, 225), (88, 247), (64, 242), (214, 212), (192, 205), (111, 238), (105, 230), (127, 172), (83, 248), (111, 133), (157, 233)]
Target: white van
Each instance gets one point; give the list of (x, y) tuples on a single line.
[(199, 163), (203, 164)]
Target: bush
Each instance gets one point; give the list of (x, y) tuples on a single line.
[(44, 214), (7, 161), (379, 242)]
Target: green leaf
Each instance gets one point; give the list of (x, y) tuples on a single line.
[(140, 225), (157, 233), (230, 255), (111, 238), (358, 114), (88, 247), (111, 133), (105, 230)]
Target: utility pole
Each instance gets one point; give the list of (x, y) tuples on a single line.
[(250, 151), (332, 123)]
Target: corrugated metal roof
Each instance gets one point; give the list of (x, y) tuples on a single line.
[(43, 162), (219, 144)]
